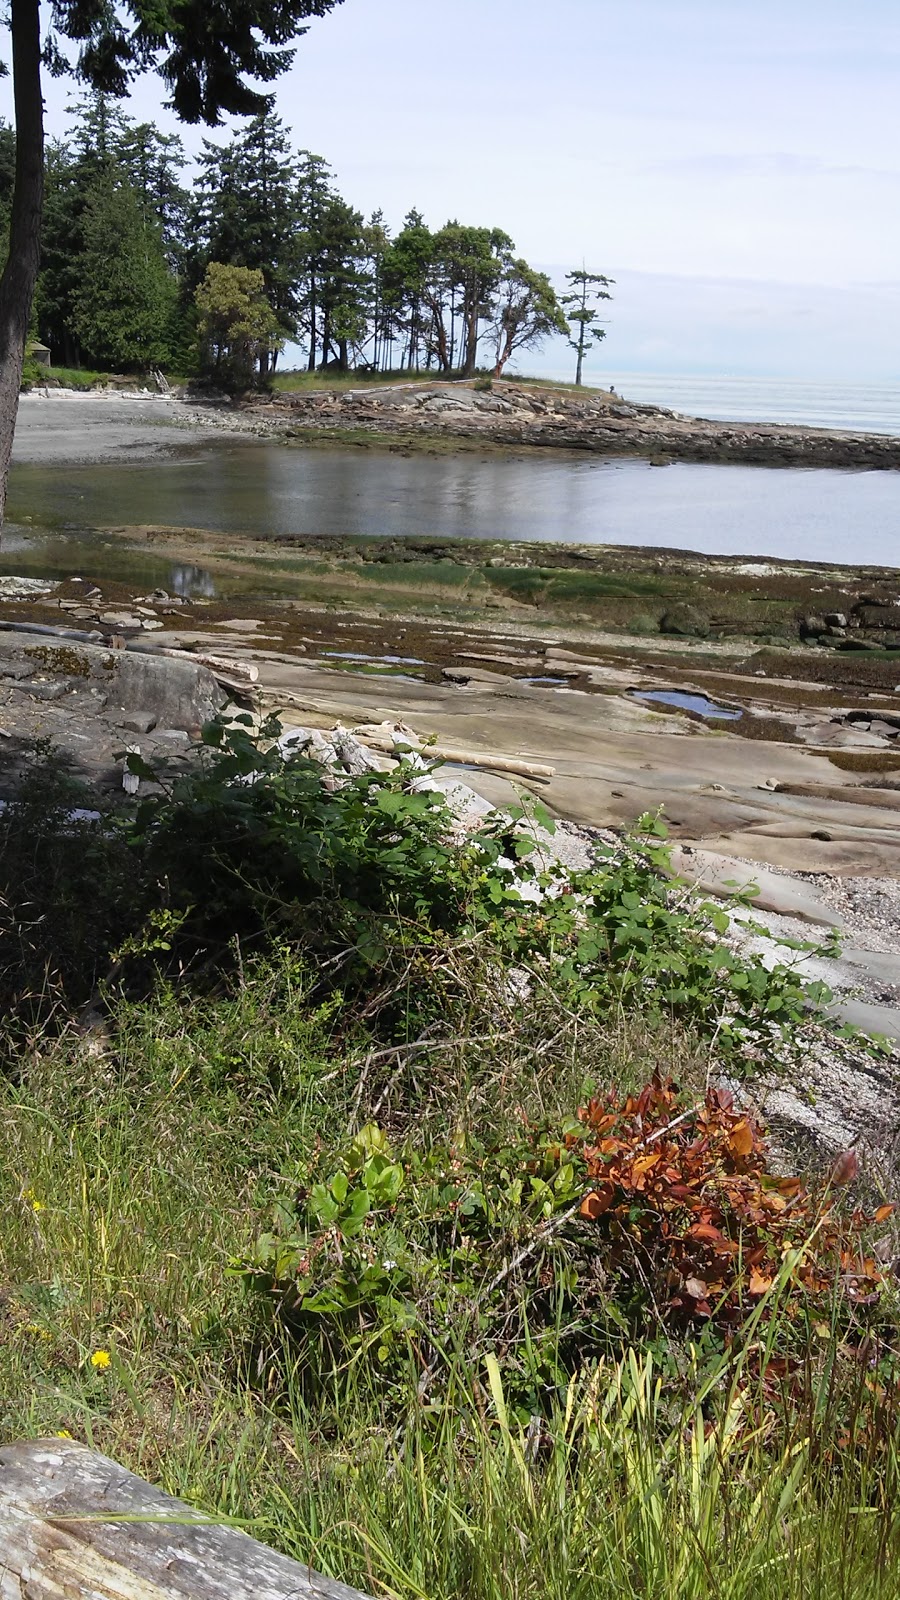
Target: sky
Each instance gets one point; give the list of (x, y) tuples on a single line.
[(735, 167)]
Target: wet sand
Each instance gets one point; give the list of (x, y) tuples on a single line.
[(65, 427)]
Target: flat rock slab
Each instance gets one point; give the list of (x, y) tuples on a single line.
[(75, 1524), (723, 877), (179, 694)]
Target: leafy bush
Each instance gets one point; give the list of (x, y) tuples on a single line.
[(364, 877), (260, 846), (365, 872), (636, 1219)]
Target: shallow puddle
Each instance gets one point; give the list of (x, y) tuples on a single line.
[(388, 661), (684, 701)]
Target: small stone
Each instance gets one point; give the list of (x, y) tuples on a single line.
[(173, 735), (138, 721), (121, 619)]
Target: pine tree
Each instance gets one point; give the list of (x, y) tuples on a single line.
[(247, 210), (585, 317), (124, 302), (153, 163), (314, 195)]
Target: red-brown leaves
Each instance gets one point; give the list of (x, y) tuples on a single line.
[(693, 1215), (845, 1169)]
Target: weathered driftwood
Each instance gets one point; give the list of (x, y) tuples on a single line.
[(516, 765), (76, 1526)]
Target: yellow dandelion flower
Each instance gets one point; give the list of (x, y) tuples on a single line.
[(100, 1360), (29, 1195), (62, 1433)]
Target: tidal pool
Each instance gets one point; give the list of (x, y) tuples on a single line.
[(688, 702)]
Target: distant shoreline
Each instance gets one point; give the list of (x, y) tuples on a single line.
[(66, 426)]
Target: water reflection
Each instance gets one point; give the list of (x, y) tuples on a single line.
[(191, 583), (278, 491)]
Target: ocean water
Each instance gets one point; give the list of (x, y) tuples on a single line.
[(859, 407)]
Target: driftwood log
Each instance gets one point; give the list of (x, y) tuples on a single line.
[(76, 1526)]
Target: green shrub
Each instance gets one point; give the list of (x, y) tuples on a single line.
[(639, 1219), (252, 848)]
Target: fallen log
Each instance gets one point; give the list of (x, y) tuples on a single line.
[(74, 1525), (518, 767)]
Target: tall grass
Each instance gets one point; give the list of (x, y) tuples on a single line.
[(139, 1163)]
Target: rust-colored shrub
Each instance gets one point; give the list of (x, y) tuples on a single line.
[(697, 1221)]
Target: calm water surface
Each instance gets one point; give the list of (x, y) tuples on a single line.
[(269, 489)]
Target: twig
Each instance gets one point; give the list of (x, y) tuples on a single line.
[(555, 1223)]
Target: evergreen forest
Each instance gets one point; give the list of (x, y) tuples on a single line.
[(209, 269)]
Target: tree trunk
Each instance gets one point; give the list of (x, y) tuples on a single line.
[(503, 355), (21, 270), (313, 314), (471, 354), (580, 363)]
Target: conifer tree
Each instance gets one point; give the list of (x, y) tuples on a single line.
[(314, 196), (125, 298), (588, 329), (247, 210)]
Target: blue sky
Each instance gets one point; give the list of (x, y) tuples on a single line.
[(735, 167)]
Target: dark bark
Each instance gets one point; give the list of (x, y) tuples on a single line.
[(21, 270), (313, 315), (471, 350)]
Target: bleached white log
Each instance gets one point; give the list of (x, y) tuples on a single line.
[(74, 1525)]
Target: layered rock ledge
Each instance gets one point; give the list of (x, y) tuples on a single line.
[(517, 414)]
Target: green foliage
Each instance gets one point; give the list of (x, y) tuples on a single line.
[(636, 1220), (526, 311), (128, 1180), (246, 213), (357, 298), (123, 306), (585, 318), (112, 213), (236, 325), (254, 845), (210, 65)]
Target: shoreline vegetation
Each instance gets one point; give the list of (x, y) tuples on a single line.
[(348, 1194), (386, 1172)]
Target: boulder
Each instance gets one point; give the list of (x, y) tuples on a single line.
[(178, 694), (685, 619)]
